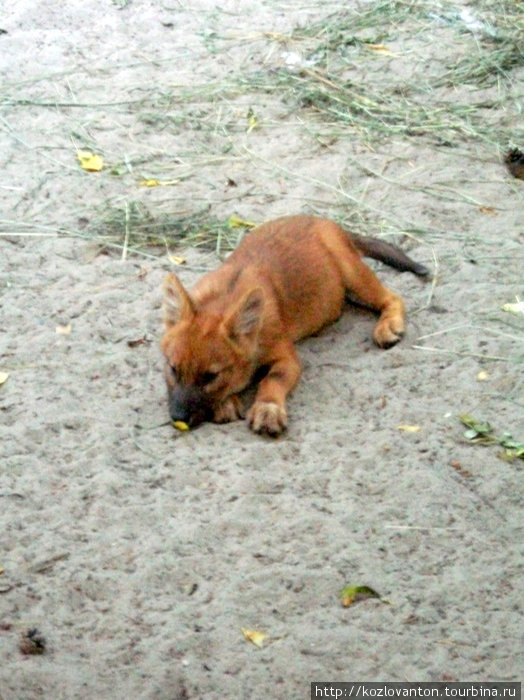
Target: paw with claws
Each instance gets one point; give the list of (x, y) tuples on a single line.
[(267, 417)]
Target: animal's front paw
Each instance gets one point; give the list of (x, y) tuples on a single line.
[(267, 417), (229, 410)]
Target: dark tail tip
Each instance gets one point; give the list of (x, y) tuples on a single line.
[(420, 270), (389, 254)]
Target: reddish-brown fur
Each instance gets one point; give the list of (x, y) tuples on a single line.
[(285, 281)]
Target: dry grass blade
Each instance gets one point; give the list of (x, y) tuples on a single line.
[(339, 86), (133, 226)]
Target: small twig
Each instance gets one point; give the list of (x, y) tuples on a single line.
[(494, 358), (482, 329), (422, 527), (126, 236)]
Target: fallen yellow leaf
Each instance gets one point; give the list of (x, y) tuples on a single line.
[(235, 221), (152, 182), (180, 425), (90, 161), (63, 330), (252, 121), (482, 376), (149, 183), (176, 259), (3, 377), (409, 428), (517, 308), (379, 48), (352, 594), (255, 637)]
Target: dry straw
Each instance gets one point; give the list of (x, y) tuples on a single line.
[(341, 87), (338, 88)]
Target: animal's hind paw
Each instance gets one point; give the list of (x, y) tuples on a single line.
[(267, 417), (388, 331)]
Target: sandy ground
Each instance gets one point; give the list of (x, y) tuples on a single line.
[(140, 553)]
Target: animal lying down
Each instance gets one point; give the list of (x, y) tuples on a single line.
[(287, 279)]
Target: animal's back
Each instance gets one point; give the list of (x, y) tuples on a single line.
[(290, 256)]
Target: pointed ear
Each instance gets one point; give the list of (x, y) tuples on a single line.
[(177, 303), (246, 316)]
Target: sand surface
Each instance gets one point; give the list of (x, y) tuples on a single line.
[(140, 553)]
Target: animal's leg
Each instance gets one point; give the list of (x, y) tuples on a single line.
[(229, 410), (268, 412), (362, 283)]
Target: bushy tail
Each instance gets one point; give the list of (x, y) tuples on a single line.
[(387, 253)]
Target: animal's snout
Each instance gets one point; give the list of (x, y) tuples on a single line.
[(179, 412), (188, 404)]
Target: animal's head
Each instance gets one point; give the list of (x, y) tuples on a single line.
[(209, 356)]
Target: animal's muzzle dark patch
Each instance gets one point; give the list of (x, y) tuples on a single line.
[(188, 404)]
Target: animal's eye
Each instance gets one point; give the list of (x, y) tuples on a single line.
[(209, 377), (174, 371)]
